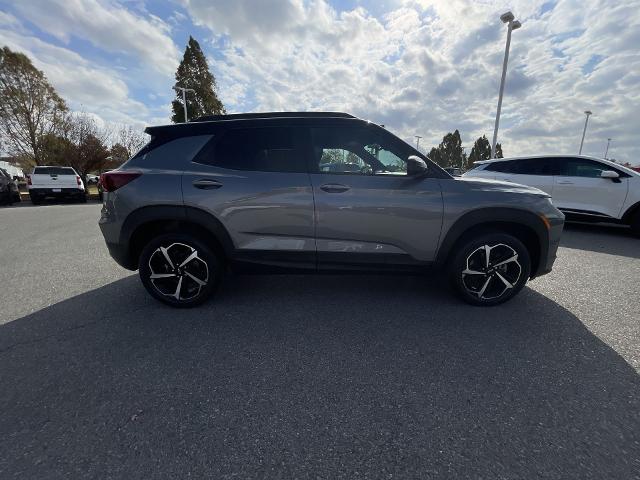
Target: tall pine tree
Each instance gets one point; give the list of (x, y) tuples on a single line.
[(193, 72)]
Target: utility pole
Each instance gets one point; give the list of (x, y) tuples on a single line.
[(184, 100), (586, 121), (512, 24), (607, 149), (418, 137)]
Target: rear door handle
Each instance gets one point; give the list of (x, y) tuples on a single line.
[(334, 187), (564, 182), (206, 184)]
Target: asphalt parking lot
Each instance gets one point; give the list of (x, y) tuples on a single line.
[(312, 377)]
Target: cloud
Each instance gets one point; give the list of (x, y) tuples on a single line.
[(84, 85), (108, 27), (430, 67), (422, 67)]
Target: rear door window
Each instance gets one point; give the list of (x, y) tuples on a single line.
[(265, 149), (535, 166), (501, 167), (54, 171)]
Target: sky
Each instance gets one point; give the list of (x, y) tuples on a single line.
[(418, 67)]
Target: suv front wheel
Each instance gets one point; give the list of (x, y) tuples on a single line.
[(179, 270), (489, 269)]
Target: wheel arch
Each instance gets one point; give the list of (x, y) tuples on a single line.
[(628, 215), (526, 226), (147, 222)]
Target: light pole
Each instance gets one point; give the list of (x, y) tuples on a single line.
[(418, 137), (512, 24), (607, 149), (586, 121), (184, 100)]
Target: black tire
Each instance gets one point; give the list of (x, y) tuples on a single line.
[(206, 267), (35, 199), (635, 224), (487, 286)]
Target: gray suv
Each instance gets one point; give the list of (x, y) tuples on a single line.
[(315, 192)]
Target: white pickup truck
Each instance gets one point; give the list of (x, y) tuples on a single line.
[(58, 182)]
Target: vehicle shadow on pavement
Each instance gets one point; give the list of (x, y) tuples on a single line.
[(614, 240), (296, 377)]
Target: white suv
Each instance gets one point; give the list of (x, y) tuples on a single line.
[(584, 188)]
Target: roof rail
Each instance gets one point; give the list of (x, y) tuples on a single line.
[(240, 116)]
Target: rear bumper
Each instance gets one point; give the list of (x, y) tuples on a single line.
[(121, 255), (63, 193)]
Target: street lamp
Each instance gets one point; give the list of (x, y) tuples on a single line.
[(607, 149), (512, 24), (586, 121), (184, 100), (418, 137)]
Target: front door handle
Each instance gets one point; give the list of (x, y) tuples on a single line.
[(564, 182), (206, 184), (334, 187)]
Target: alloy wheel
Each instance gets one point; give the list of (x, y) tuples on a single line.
[(178, 271), (491, 270)]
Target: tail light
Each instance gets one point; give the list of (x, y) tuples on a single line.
[(29, 180), (78, 180), (111, 181)]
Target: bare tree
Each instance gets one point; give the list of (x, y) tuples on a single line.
[(131, 139), (30, 108)]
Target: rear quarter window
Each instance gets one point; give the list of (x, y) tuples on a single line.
[(169, 153), (54, 171)]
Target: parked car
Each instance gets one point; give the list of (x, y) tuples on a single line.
[(9, 191), (584, 188), (93, 179), (247, 192), (57, 182)]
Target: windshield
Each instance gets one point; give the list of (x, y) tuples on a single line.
[(54, 171)]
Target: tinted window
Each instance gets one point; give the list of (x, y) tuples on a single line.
[(4, 173), (502, 167), (53, 171), (359, 151), (579, 167), (269, 149), (535, 166)]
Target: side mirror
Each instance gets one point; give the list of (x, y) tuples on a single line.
[(609, 174), (416, 166)]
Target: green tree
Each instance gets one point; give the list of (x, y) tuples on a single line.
[(30, 109), (193, 72), (482, 151), (449, 153), (434, 155)]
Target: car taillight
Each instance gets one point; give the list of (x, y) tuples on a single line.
[(78, 180), (111, 181), (29, 180)]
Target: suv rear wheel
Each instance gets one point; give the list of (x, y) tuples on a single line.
[(635, 223), (179, 270), (489, 269)]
